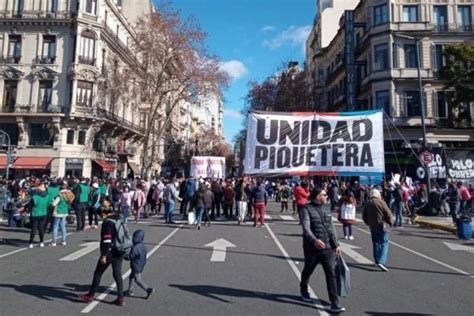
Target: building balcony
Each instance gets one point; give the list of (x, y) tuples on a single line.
[(29, 109), (453, 27), (45, 60), (410, 73), (86, 60), (10, 59), (35, 14), (411, 27)]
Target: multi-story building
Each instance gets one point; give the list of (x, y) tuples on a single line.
[(371, 63), (62, 112)]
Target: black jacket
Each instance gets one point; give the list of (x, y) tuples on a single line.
[(137, 255), (315, 227), (108, 234)]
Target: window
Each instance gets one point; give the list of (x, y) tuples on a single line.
[(19, 7), (464, 18), (380, 14), (90, 6), (381, 57), (382, 101), (441, 104), (49, 50), (53, 6), (81, 138), (142, 120), (410, 13), (410, 56), (440, 18), (14, 49), (84, 93), (438, 58), (412, 102), (9, 95), (70, 137), (45, 94), (213, 122), (87, 49), (40, 135)]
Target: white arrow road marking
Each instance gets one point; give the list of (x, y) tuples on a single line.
[(287, 218), (457, 247), (88, 248), (350, 252), (219, 248)]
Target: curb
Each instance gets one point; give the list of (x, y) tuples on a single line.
[(427, 223)]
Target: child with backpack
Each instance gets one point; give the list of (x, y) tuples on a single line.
[(137, 257)]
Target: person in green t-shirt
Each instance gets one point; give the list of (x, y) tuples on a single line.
[(61, 205), (39, 203)]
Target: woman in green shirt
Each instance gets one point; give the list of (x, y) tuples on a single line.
[(61, 210), (39, 203)]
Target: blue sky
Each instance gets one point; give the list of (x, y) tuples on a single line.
[(252, 38)]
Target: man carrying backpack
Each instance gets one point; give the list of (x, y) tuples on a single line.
[(115, 241)]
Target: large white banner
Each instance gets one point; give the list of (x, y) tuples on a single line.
[(344, 144), (208, 167)]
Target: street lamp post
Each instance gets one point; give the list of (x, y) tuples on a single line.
[(9, 153)]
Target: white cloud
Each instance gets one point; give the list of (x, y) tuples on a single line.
[(267, 28), (293, 36), (234, 114), (234, 68)]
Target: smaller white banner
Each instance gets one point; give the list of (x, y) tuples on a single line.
[(208, 167)]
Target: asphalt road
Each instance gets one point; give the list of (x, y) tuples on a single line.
[(259, 276)]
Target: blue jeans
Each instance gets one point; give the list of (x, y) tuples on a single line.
[(380, 244), (125, 209), (169, 207), (199, 211), (59, 222), (398, 208)]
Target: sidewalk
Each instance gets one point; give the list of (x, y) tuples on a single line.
[(437, 222)]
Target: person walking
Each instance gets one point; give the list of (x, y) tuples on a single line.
[(208, 200), (320, 245), (83, 191), (126, 202), (198, 202), (137, 257), (376, 214), (217, 189), (454, 201), (228, 200), (301, 194), (397, 204), (285, 194), (109, 255), (139, 201), (347, 213), (94, 206), (170, 195), (60, 212), (259, 201), (39, 204), (465, 197), (190, 190)]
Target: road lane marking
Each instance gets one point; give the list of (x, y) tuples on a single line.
[(102, 296), (219, 248), (424, 256), (287, 218), (88, 248), (457, 247), (350, 252), (26, 248), (318, 304)]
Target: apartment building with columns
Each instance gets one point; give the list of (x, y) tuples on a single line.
[(371, 63), (55, 58)]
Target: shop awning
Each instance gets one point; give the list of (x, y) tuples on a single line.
[(105, 165), (38, 163), (3, 162), (134, 167)]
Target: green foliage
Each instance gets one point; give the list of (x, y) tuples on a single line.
[(459, 74)]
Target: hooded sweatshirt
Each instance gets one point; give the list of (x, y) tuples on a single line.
[(138, 252)]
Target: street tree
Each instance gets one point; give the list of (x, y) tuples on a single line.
[(171, 65), (459, 74)]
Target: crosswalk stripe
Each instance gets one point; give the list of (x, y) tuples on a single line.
[(287, 218)]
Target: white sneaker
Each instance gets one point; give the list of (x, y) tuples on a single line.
[(382, 267), (30, 246), (53, 244), (345, 237), (351, 237), (41, 245), (63, 243)]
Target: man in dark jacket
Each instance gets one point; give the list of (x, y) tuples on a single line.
[(320, 246), (108, 256), (137, 257), (259, 202)]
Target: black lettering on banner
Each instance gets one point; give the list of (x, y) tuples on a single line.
[(341, 132), (298, 156), (326, 132), (366, 156), (305, 133), (261, 132), (283, 157), (310, 154), (336, 154), (352, 159), (261, 154), (324, 154), (271, 164), (357, 130), (292, 133)]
